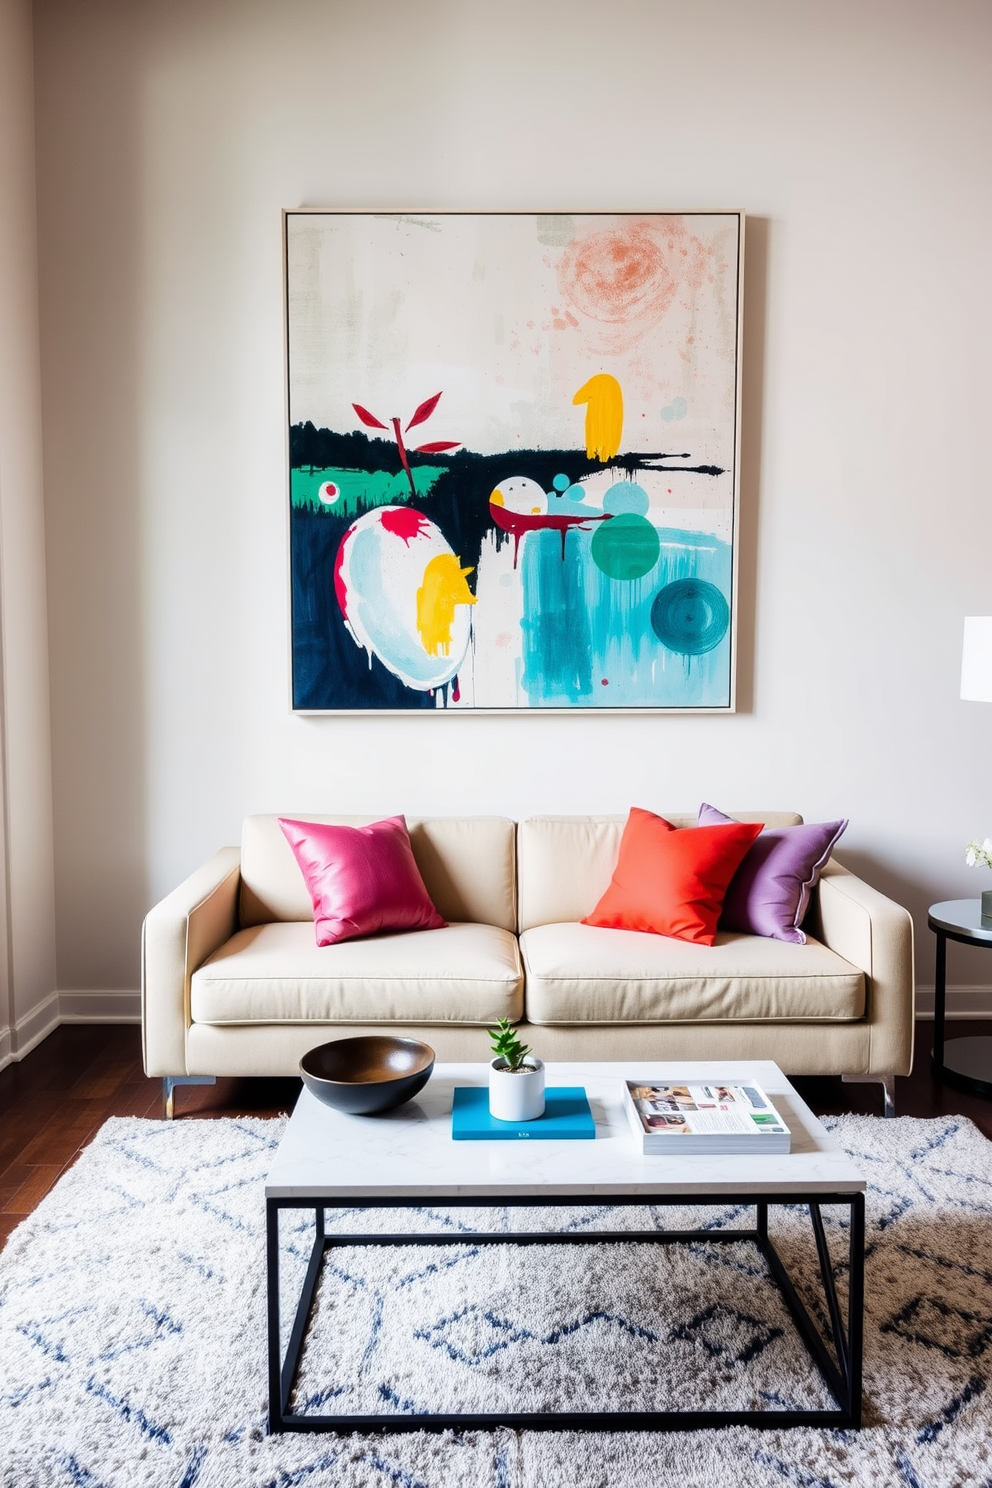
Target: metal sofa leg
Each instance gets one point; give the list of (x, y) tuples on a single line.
[(888, 1084), (169, 1083)]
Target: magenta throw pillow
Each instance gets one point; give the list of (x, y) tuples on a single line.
[(769, 894), (362, 880)]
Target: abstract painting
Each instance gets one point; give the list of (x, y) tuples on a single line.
[(513, 450)]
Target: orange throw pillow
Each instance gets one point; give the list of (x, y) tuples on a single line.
[(672, 881)]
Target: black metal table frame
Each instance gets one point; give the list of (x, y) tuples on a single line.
[(952, 1077), (842, 1371)]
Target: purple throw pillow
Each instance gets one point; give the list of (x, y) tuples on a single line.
[(769, 894)]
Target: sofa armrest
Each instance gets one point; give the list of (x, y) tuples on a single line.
[(876, 935), (178, 935)]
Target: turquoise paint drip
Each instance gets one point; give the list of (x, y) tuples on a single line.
[(557, 643)]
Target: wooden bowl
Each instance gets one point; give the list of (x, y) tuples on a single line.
[(366, 1075)]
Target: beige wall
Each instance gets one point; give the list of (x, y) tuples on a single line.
[(28, 1006), (170, 135)]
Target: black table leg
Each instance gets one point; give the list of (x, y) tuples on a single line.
[(856, 1309), (939, 998), (274, 1340)]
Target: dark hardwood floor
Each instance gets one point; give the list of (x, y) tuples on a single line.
[(53, 1102)]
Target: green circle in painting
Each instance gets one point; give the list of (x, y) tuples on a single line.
[(626, 547)]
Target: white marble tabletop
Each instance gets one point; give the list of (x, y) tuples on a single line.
[(409, 1153)]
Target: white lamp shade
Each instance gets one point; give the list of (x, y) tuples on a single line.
[(976, 659)]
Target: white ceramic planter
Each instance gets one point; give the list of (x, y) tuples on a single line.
[(516, 1097)]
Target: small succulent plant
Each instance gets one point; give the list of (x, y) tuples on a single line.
[(506, 1045)]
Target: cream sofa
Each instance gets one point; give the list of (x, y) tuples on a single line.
[(234, 984)]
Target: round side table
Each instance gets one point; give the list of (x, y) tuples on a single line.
[(964, 1063)]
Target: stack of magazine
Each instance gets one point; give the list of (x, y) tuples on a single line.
[(695, 1117)]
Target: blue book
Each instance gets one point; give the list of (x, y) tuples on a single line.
[(567, 1118)]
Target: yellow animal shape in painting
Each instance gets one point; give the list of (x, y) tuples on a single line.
[(444, 587), (603, 398)]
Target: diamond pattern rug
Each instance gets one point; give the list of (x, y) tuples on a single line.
[(132, 1330)]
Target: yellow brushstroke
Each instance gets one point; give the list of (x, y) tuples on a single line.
[(496, 499), (444, 587), (603, 398)]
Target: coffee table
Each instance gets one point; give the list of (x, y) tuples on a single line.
[(329, 1161)]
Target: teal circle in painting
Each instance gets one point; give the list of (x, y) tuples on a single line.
[(561, 482), (626, 547), (625, 496), (690, 616)]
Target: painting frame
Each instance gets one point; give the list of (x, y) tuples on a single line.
[(352, 307)]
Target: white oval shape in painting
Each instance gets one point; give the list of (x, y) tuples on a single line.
[(404, 596), (329, 492), (518, 493)]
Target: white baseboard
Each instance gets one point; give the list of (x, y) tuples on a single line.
[(960, 1002), (28, 1032), (100, 1007), (66, 1007)]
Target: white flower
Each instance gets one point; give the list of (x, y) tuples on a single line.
[(979, 855), (970, 856)]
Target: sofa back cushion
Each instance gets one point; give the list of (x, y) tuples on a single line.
[(467, 864), (565, 863)]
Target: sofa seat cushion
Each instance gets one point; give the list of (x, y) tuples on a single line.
[(586, 974), (276, 974)]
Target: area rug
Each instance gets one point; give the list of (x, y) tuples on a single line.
[(132, 1331)]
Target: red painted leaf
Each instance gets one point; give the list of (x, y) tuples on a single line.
[(367, 418), (423, 413), (437, 446)]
